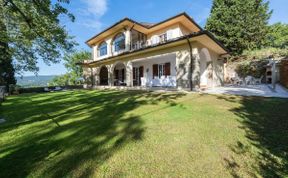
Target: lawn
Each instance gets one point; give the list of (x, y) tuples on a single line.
[(143, 134)]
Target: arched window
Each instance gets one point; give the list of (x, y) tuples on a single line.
[(119, 42), (102, 49)]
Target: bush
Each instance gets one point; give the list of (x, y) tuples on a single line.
[(13, 89), (251, 68)]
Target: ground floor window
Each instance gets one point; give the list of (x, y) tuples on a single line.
[(160, 70)]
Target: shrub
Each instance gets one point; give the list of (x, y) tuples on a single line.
[(251, 68)]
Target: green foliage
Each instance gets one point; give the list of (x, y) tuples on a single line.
[(6, 67), (66, 79), (265, 53), (72, 59), (13, 89), (278, 36), (254, 68), (239, 24), (32, 30), (75, 72)]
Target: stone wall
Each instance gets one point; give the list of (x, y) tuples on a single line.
[(284, 73)]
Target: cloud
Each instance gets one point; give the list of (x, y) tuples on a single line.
[(96, 7), (202, 16), (91, 13)]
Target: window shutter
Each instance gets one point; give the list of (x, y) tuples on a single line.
[(167, 69), (123, 75), (141, 71), (155, 70)]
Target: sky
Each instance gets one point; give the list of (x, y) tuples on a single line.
[(93, 16)]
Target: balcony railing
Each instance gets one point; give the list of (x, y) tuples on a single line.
[(139, 45)]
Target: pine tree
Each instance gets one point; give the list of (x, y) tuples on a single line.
[(239, 24)]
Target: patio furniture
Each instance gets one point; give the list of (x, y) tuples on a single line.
[(57, 89), (237, 81), (249, 80), (258, 80), (46, 89), (168, 81), (143, 81)]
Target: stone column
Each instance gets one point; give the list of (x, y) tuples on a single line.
[(182, 69), (196, 69), (127, 40), (109, 47), (129, 73), (110, 74), (94, 52), (97, 77)]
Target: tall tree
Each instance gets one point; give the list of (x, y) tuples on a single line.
[(31, 30), (239, 24), (6, 68), (72, 59), (278, 36), (74, 72)]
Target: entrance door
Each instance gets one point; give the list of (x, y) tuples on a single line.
[(138, 73), (103, 76)]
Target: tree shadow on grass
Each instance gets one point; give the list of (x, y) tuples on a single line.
[(71, 133), (265, 121)]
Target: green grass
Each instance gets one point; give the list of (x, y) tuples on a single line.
[(143, 134)]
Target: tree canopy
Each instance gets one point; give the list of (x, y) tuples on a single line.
[(74, 72), (239, 24), (278, 36), (31, 30)]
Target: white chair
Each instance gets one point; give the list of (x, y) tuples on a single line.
[(249, 80), (258, 80), (57, 89), (173, 81), (143, 81), (46, 89)]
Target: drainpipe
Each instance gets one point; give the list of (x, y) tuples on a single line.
[(191, 65)]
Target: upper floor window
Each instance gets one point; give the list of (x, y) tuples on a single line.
[(163, 37), (119, 42), (102, 49)]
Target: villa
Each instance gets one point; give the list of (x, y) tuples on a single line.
[(175, 53)]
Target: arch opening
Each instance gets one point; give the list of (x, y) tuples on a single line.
[(119, 42), (103, 74), (119, 75), (206, 73), (102, 49)]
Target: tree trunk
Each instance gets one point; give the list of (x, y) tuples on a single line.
[(7, 70)]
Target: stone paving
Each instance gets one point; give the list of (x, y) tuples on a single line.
[(250, 90)]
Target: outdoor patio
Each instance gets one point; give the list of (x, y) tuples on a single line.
[(250, 90)]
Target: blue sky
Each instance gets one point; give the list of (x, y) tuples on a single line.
[(92, 16)]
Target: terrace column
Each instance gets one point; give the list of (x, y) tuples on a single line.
[(196, 69), (129, 73), (94, 52), (109, 47), (97, 78), (110, 74), (127, 40)]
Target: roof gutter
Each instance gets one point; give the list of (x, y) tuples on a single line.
[(191, 65)]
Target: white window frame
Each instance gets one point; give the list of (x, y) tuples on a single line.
[(163, 37), (161, 72)]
